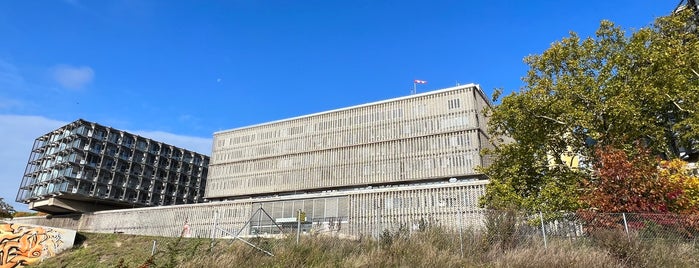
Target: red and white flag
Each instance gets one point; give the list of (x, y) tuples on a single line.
[(420, 81)]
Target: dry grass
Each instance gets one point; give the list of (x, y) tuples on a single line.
[(558, 254), (434, 247)]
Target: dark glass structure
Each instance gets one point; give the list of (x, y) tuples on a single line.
[(84, 167)]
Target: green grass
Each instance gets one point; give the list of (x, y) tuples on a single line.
[(434, 247)]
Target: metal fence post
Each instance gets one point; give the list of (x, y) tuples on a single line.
[(298, 226), (461, 230), (152, 251), (543, 229), (626, 225), (213, 228)]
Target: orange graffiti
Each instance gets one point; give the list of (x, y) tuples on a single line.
[(25, 245)]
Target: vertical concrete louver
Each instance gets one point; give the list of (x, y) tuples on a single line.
[(84, 166), (397, 163), (430, 136), (366, 212)]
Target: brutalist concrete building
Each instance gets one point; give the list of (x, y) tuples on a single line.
[(398, 162), (85, 167)]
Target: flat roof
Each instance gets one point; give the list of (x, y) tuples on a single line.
[(470, 85)]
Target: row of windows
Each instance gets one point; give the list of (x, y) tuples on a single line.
[(446, 143), (439, 103), (348, 137), (56, 141), (318, 208), (460, 197), (104, 191), (345, 175)]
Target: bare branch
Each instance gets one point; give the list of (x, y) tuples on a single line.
[(695, 72), (549, 118), (678, 106)]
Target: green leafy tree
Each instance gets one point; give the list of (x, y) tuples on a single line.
[(614, 89), (6, 210)]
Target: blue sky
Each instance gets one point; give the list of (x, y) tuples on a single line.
[(180, 70)]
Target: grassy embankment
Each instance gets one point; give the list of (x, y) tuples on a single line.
[(434, 247)]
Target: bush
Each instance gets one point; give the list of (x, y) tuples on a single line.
[(501, 230)]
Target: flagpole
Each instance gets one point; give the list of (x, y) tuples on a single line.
[(415, 82)]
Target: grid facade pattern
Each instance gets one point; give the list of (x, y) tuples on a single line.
[(319, 211), (89, 162), (445, 204), (170, 220), (359, 213), (432, 135)]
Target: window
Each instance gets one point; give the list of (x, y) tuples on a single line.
[(454, 103), (420, 110), (456, 121)]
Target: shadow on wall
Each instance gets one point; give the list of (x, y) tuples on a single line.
[(24, 244)]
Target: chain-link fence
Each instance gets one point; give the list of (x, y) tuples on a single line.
[(507, 229)]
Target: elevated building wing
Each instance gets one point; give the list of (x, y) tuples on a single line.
[(84, 167)]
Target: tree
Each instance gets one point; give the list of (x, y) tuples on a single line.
[(610, 91), (625, 182), (675, 172), (6, 210)]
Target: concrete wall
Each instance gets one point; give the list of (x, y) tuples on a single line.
[(24, 244), (448, 205), (361, 212), (157, 221)]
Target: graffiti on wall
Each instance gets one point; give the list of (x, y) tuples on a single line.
[(24, 244)]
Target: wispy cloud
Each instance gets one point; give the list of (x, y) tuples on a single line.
[(72, 2), (76, 4), (19, 132), (7, 104), (11, 83), (197, 144), (72, 77), (10, 77)]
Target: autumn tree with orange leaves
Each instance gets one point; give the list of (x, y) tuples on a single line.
[(639, 182)]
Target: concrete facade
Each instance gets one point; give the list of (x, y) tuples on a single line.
[(399, 162), (85, 167), (428, 137), (360, 213)]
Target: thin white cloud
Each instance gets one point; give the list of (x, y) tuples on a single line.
[(13, 86), (74, 3), (72, 77), (197, 144), (10, 77), (18, 133), (6, 104)]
